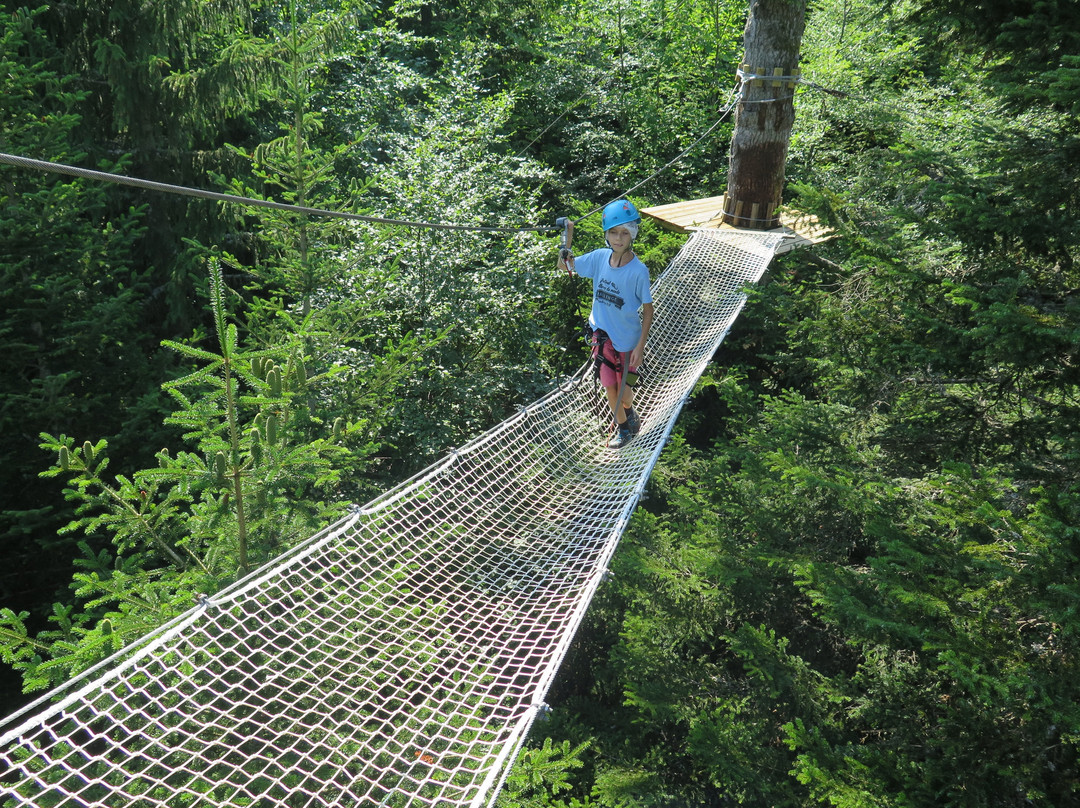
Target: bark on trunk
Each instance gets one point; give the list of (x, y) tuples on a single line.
[(765, 113)]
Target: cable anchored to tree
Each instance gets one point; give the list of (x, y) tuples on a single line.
[(734, 98), (163, 187), (120, 179)]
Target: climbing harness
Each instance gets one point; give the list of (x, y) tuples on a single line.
[(624, 375), (599, 339)]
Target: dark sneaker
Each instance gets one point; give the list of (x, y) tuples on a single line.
[(632, 421), (621, 438)]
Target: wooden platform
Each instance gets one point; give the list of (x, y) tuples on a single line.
[(805, 230)]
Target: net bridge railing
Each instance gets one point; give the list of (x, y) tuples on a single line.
[(399, 657)]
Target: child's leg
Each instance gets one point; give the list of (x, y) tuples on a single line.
[(626, 404), (613, 381), (612, 396)]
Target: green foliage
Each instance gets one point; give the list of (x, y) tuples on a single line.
[(137, 52), (855, 581), (321, 283), (947, 610), (839, 596), (471, 296), (1018, 40), (75, 350), (539, 774), (168, 84), (295, 257), (255, 479), (793, 610)]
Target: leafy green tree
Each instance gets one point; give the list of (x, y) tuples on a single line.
[(792, 609), (293, 257), (472, 292), (539, 774), (75, 350), (253, 481), (624, 89), (959, 695), (851, 588), (166, 83), (323, 280)]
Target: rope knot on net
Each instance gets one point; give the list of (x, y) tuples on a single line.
[(399, 657)]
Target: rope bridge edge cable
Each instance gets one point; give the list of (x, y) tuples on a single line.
[(401, 658), (503, 765), (114, 664)]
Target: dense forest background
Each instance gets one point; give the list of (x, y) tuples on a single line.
[(855, 580)]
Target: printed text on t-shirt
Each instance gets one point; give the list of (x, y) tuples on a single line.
[(609, 293)]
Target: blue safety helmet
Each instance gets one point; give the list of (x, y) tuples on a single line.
[(619, 212)]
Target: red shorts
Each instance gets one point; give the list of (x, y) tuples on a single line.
[(608, 375)]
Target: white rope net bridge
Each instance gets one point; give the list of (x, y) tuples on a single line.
[(399, 657)]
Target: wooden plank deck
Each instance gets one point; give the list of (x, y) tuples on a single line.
[(805, 229)]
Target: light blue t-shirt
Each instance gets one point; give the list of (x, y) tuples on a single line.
[(617, 296)]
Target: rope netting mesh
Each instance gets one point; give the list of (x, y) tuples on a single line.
[(399, 657)]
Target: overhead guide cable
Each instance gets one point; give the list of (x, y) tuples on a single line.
[(119, 179)]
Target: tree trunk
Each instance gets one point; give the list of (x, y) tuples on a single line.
[(765, 113)]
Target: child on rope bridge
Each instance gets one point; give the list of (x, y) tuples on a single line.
[(620, 287)]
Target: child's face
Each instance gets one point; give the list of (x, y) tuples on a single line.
[(619, 238)]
